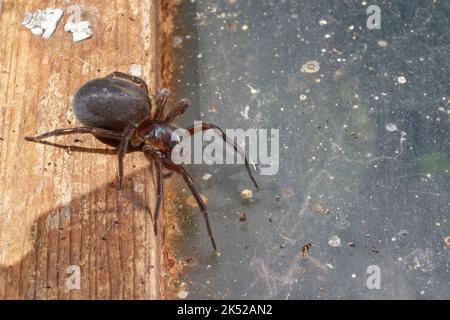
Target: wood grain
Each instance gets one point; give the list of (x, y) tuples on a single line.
[(60, 207)]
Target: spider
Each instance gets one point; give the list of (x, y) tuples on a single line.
[(116, 109)]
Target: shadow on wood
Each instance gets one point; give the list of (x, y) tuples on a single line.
[(111, 243)]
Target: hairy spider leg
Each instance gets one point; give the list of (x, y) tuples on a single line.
[(139, 81), (103, 133), (151, 154), (161, 103), (98, 132), (179, 109), (190, 183)]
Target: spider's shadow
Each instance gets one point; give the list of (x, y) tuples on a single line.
[(75, 148), (111, 227), (133, 197)]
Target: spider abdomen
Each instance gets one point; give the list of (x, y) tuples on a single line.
[(111, 104)]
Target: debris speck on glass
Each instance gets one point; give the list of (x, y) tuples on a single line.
[(305, 249), (247, 194), (391, 127), (334, 241), (242, 217), (310, 67), (447, 240), (382, 43), (182, 294), (401, 80), (364, 147), (206, 176)]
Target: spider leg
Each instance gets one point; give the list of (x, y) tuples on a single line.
[(122, 150), (139, 81), (103, 133), (179, 109), (190, 183), (206, 126), (152, 154), (168, 175), (161, 103)]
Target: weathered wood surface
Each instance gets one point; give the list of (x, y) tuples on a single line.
[(60, 207)]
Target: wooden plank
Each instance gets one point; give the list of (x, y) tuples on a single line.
[(60, 207)]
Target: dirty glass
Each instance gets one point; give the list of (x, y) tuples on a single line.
[(359, 207)]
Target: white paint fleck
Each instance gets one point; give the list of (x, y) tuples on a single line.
[(135, 70), (323, 22), (244, 27), (80, 30), (138, 187), (43, 22)]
